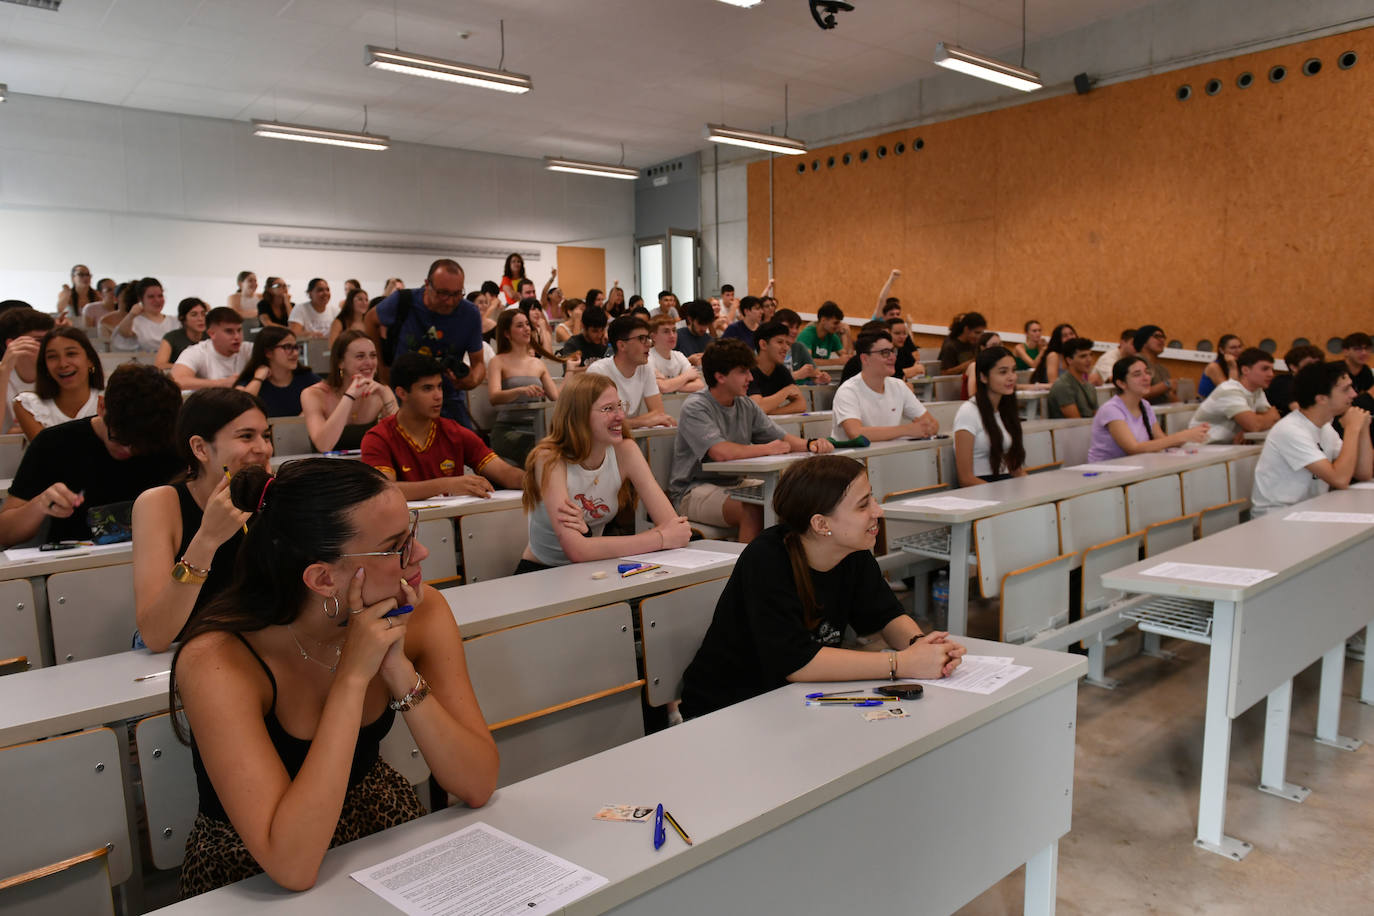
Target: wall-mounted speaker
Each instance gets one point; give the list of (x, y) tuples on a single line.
[(1082, 84)]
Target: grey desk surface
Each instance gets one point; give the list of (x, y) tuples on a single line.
[(483, 607), (436, 509), (773, 463), (1284, 547), (60, 561), (785, 419), (1051, 486), (730, 778)]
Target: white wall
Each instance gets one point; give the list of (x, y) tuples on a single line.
[(725, 243), (133, 192)]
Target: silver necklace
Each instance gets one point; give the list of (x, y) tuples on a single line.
[(338, 651)]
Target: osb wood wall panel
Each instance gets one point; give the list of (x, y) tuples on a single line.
[(580, 269), (1244, 212)]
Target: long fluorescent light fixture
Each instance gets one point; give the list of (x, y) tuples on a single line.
[(299, 132), (952, 57), (719, 133), (744, 3), (590, 168), (436, 68)]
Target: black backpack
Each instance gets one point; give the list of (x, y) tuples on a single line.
[(404, 300)]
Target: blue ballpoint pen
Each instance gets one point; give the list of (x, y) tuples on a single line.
[(659, 835), (860, 703)]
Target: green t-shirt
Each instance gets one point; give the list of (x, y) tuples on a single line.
[(827, 347), (1068, 390)]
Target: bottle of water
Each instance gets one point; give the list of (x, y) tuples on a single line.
[(939, 600)]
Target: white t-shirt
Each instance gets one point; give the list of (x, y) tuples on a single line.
[(304, 314), (672, 367), (17, 386), (854, 400), (633, 390), (1281, 475), (147, 332), (1104, 364), (969, 420), (1226, 400), (207, 363), (48, 413)]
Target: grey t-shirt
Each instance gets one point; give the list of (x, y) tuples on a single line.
[(705, 423)]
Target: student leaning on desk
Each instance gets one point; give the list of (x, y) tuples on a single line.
[(291, 678), (795, 589)]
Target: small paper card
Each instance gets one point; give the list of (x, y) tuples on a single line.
[(629, 814), (877, 715)]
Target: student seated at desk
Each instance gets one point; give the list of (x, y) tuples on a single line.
[(795, 589), (750, 317), (673, 370), (978, 458), (217, 360), (1102, 370), (1238, 406), (588, 345), (1052, 362), (67, 382), (424, 452), (969, 384), (1222, 369), (772, 387), (1071, 396), (22, 331), (292, 676), (1303, 455), (695, 335), (585, 468), (340, 409), (273, 373), (723, 424), (874, 403), (1281, 392), (957, 351), (629, 368), (799, 360), (1126, 424), (822, 339), (101, 461), (516, 375), (187, 535)]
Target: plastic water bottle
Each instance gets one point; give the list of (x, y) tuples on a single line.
[(939, 600)]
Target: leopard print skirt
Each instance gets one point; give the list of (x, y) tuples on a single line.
[(215, 856)]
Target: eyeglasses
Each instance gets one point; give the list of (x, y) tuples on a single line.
[(884, 353), (616, 407), (449, 294), (404, 551), (638, 338), (289, 348)]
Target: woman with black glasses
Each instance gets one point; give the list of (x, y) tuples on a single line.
[(274, 373)]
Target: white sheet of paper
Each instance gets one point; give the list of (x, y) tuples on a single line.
[(681, 558), (1349, 518), (478, 870), (946, 503), (1219, 575), (29, 554), (1362, 485), (981, 674), (460, 500), (1106, 468)]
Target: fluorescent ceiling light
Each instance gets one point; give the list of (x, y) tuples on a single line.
[(51, 5), (719, 133), (952, 57), (439, 69), (279, 131), (589, 168), (744, 3)]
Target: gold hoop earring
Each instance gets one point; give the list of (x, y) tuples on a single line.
[(337, 607)]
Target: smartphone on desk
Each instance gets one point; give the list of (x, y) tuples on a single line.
[(902, 691)]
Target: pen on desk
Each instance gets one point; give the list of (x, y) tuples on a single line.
[(637, 569), (149, 677), (659, 835), (678, 827), (852, 701)]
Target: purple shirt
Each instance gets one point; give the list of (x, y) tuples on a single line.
[(1103, 446)]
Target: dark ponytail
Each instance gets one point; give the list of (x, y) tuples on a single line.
[(808, 488), (1006, 409)]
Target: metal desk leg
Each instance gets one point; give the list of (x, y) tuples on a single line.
[(770, 483), (958, 578), (1329, 703), (1216, 742), (1042, 878), (1272, 775)]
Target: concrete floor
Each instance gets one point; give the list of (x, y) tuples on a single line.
[(1136, 775)]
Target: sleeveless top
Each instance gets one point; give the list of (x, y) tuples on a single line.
[(595, 491), (292, 750), (513, 416), (221, 567)]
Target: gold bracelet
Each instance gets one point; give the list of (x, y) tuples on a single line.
[(187, 574), (414, 697), (892, 665)]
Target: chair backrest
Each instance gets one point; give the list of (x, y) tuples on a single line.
[(1170, 533), (1012, 541), (1177, 420), (290, 436), (660, 456), (1104, 558), (948, 387), (492, 542), (92, 612), (78, 884), (1035, 598), (1039, 449), (1241, 472), (672, 404), (480, 408), (315, 354), (1187, 389), (943, 412), (1203, 487), (11, 451), (64, 797), (1091, 519), (672, 626), (440, 539), (19, 633), (169, 788), (1071, 444), (904, 470), (1219, 518), (1151, 501)]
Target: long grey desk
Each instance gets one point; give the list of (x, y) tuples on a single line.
[(792, 809), (1263, 634), (1037, 489), (487, 534)]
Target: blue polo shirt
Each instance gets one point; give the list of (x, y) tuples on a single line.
[(431, 334)]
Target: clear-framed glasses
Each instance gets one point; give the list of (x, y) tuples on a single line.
[(613, 407), (404, 551)]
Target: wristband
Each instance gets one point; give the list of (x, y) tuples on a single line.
[(809, 443), (892, 665), (350, 397), (414, 697)]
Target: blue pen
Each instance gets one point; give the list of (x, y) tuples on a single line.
[(860, 703), (659, 835), (1091, 473), (397, 612), (623, 568)]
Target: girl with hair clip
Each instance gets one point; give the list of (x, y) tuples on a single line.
[(186, 535), (274, 374), (292, 676), (1126, 424), (1052, 361), (517, 375), (340, 409), (583, 471), (1223, 368), (978, 456), (795, 589), (68, 379)]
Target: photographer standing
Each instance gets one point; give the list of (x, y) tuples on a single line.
[(437, 321)]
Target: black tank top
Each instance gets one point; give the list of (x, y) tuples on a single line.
[(292, 750), (221, 566)]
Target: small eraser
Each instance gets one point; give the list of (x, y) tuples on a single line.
[(598, 575)]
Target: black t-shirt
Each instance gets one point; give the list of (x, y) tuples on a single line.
[(954, 352), (758, 635), (769, 385), (286, 402), (1280, 392), (1362, 380), (590, 352), (71, 453)]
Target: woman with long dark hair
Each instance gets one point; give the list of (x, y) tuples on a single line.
[(273, 373), (1052, 361), (795, 589), (970, 382), (978, 456), (957, 351), (1126, 424), (293, 675), (191, 314), (1028, 354), (341, 408), (68, 380), (78, 294), (1223, 368), (244, 298), (350, 316), (274, 308)]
